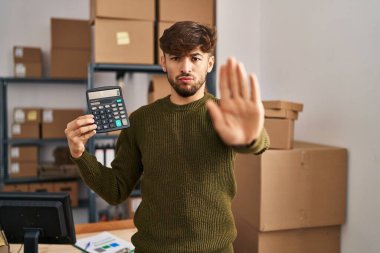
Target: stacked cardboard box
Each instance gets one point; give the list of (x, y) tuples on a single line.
[(291, 201), (26, 123), (23, 162), (70, 48), (279, 122), (123, 31), (171, 11), (159, 87), (16, 188), (54, 121), (27, 61)]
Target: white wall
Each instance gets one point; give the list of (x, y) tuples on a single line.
[(326, 54)]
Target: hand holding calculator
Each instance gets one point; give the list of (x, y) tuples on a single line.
[(108, 107)]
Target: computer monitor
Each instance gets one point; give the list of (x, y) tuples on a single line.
[(36, 217)]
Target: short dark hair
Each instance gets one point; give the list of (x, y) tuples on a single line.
[(185, 36)]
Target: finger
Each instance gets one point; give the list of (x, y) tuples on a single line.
[(81, 121), (255, 89), (224, 91), (232, 77), (85, 129), (216, 115), (88, 135), (242, 80)]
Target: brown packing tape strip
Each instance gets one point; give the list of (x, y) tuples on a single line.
[(281, 114), (282, 104)]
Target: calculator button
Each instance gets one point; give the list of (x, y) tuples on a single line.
[(122, 112), (108, 110), (112, 125), (95, 112), (109, 116), (125, 122), (123, 116), (99, 127), (114, 109), (101, 107), (98, 122), (111, 120), (117, 117), (107, 106), (104, 121), (103, 116), (120, 104), (116, 113), (118, 123), (113, 105), (97, 117), (105, 126), (94, 108), (101, 111)]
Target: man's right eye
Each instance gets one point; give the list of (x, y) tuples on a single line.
[(174, 58)]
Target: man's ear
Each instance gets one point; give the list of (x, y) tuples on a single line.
[(211, 61), (163, 62)]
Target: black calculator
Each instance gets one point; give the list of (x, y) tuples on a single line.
[(108, 107)]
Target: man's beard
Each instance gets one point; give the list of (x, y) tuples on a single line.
[(186, 92)]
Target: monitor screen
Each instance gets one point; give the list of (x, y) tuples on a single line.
[(49, 213)]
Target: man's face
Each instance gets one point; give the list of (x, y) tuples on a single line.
[(187, 73)]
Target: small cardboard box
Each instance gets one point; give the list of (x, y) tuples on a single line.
[(27, 54), (124, 41), (25, 131), (133, 204), (281, 114), (26, 115), (54, 121), (24, 154), (282, 104), (122, 9), (159, 87), (28, 69), (4, 245), (71, 187), (202, 11), (310, 240), (22, 169), (296, 188), (281, 132), (162, 26), (70, 33), (69, 63), (16, 188), (41, 187)]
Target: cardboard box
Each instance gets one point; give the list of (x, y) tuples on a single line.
[(281, 114), (124, 41), (70, 187), (282, 104), (25, 131), (202, 11), (70, 63), (41, 187), (133, 204), (122, 9), (281, 132), (22, 169), (27, 54), (26, 115), (28, 69), (54, 121), (4, 245), (16, 188), (24, 154), (310, 240), (296, 188), (159, 87), (70, 33), (162, 26)]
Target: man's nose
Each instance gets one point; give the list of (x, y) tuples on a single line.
[(186, 65)]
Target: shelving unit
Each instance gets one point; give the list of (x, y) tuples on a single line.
[(5, 141)]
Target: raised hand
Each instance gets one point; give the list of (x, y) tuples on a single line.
[(239, 118), (78, 132)]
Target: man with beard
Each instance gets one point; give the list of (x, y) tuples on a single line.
[(184, 145)]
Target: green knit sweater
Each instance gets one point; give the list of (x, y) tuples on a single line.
[(187, 178)]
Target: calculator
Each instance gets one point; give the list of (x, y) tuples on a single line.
[(108, 107)]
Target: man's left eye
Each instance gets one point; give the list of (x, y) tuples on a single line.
[(196, 59)]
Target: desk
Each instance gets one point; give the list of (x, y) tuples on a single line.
[(123, 229)]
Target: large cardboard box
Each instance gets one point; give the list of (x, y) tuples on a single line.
[(70, 33), (296, 188), (25, 131), (202, 11), (124, 41), (26, 115), (281, 132), (24, 154), (71, 187), (159, 87), (122, 9), (69, 63), (27, 54), (41, 187), (22, 169), (162, 26), (283, 104), (16, 188), (28, 69), (54, 121), (309, 240)]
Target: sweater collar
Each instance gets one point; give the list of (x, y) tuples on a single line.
[(190, 106)]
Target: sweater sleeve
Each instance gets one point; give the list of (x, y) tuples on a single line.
[(116, 183), (257, 147)]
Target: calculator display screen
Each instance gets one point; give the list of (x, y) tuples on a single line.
[(103, 94)]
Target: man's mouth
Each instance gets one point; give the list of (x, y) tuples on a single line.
[(185, 79)]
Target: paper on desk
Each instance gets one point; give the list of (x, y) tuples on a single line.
[(104, 243)]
